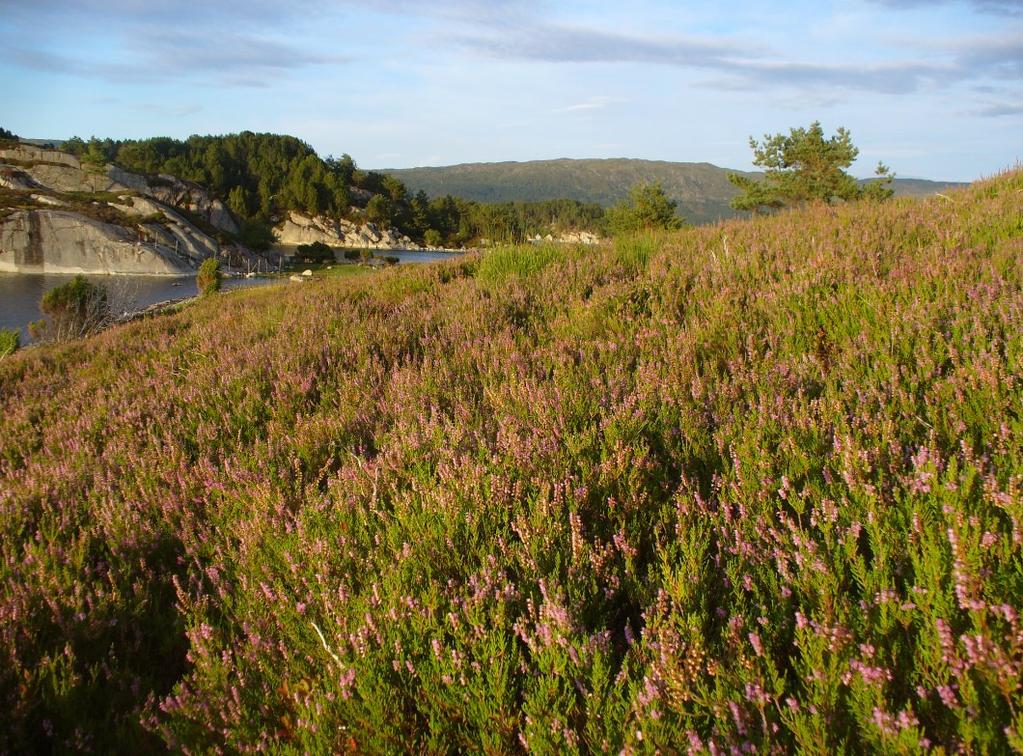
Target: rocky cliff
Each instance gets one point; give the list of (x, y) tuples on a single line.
[(60, 216), (304, 229), (60, 172), (57, 241)]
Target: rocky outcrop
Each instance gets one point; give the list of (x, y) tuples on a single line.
[(57, 241), (59, 172), (65, 178), (31, 154), (15, 178), (194, 198), (569, 237), (298, 228), (128, 223)]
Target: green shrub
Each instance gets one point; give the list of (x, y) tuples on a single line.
[(352, 254), (505, 262), (10, 340), (432, 238), (317, 252), (392, 260), (73, 309), (256, 235), (648, 208), (209, 277)]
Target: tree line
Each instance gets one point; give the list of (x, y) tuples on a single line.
[(262, 176)]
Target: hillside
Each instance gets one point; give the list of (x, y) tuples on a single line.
[(701, 189), (58, 215), (752, 487), (265, 178)]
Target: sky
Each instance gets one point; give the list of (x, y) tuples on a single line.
[(933, 89)]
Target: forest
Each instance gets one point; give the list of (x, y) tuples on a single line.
[(262, 176)]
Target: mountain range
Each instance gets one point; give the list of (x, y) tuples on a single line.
[(702, 190)]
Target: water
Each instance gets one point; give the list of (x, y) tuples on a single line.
[(406, 256), (20, 292)]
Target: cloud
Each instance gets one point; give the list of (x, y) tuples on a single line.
[(744, 68), (593, 103), (218, 53), (998, 7), (741, 67), (555, 43), (995, 57), (159, 55), (999, 109)]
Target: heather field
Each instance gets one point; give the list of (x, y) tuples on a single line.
[(755, 487)]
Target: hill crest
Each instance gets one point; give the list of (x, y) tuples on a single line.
[(701, 189)]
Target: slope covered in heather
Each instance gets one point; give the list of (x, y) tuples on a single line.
[(755, 486)]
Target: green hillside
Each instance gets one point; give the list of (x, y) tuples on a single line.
[(701, 189), (745, 488)]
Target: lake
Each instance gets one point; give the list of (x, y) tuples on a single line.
[(20, 292)]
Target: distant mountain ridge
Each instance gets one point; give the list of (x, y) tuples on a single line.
[(702, 190)]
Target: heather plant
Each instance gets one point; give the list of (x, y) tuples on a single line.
[(752, 487)]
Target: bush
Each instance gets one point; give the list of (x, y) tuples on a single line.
[(392, 260), (352, 254), (648, 208), (317, 252), (73, 309), (209, 277), (10, 340), (256, 235), (432, 238)]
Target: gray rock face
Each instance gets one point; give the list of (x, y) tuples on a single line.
[(194, 198), (304, 229), (37, 238), (39, 155), (64, 178), (57, 241), (15, 178), (61, 172)]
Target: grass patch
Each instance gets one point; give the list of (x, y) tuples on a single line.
[(498, 265)]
